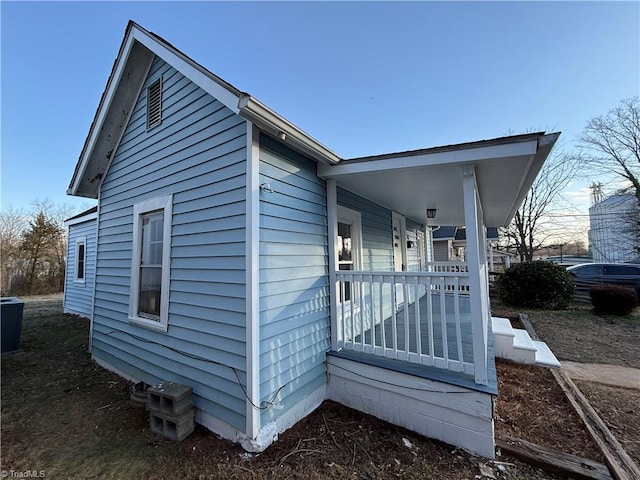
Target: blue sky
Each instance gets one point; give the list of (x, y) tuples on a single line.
[(362, 77)]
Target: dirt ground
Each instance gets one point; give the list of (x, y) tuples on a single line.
[(532, 406), (580, 336), (64, 415), (619, 409)]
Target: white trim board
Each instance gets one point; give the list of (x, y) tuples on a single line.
[(252, 279)]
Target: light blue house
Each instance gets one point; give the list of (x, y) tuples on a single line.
[(81, 260), (238, 255)]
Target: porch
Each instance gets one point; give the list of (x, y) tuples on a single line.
[(411, 339)]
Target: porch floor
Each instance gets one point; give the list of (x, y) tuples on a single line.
[(429, 372)]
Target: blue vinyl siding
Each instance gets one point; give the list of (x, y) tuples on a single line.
[(294, 283), (78, 296), (377, 246), (198, 154)]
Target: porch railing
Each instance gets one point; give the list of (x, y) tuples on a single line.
[(419, 317)]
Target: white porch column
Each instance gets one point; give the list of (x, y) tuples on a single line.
[(478, 279), (332, 227)]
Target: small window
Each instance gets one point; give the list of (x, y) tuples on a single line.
[(149, 301), (81, 260), (154, 104)]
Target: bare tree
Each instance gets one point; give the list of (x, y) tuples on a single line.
[(40, 243), (33, 249), (611, 143), (12, 224), (533, 225)]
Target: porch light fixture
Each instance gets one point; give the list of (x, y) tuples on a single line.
[(431, 213)]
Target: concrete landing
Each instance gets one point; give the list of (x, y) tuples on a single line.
[(613, 375)]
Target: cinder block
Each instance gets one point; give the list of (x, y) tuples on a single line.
[(174, 428), (169, 398)]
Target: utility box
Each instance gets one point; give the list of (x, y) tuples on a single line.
[(10, 323)]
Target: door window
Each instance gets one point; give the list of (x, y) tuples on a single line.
[(349, 248)]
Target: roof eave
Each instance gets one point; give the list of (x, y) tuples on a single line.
[(269, 121), (127, 76)]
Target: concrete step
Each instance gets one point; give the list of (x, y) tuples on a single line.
[(544, 355), (502, 336), (523, 350), (501, 326)]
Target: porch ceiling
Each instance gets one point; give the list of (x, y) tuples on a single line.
[(411, 182)]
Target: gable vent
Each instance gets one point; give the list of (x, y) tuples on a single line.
[(154, 104)]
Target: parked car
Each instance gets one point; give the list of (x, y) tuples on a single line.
[(589, 274)]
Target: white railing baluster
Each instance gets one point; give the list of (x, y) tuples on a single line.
[(432, 352), (394, 324), (405, 309), (416, 286), (456, 310), (361, 310), (382, 319), (443, 320), (372, 309)]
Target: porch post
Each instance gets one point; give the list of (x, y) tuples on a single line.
[(476, 261), (332, 227)]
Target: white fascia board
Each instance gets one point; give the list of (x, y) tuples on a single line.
[(96, 127), (258, 113), (463, 156), (544, 146), (86, 218), (189, 70)]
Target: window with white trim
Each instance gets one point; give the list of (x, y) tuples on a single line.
[(81, 260), (154, 104), (349, 249), (149, 300)]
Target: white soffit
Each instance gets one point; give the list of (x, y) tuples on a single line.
[(411, 183)]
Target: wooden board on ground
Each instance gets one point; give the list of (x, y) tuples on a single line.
[(552, 460)]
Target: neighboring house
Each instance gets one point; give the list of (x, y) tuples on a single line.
[(614, 233), (239, 256), (450, 243), (81, 261)]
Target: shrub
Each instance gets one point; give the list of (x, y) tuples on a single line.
[(613, 299), (538, 284)]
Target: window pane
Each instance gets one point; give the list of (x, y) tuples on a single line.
[(152, 226), (345, 257), (589, 270), (345, 291), (344, 243), (150, 289), (619, 270), (80, 266), (151, 265)]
